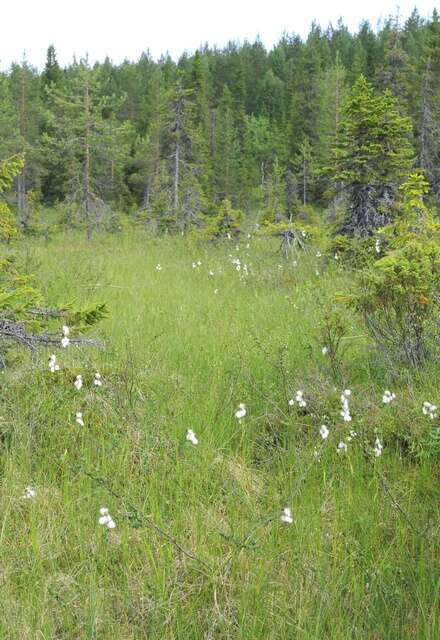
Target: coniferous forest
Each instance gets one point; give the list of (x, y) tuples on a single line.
[(169, 141), (220, 341)]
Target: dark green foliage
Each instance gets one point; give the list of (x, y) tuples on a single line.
[(399, 293), (242, 109), (371, 157)]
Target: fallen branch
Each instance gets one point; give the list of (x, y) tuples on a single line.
[(11, 331)]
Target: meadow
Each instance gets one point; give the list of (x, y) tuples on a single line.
[(200, 548)]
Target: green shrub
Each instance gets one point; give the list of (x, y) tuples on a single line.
[(399, 294)]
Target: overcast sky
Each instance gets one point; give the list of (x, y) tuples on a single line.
[(124, 28)]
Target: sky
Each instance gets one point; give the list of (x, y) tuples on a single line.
[(124, 28)]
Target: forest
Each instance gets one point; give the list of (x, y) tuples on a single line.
[(168, 142), (220, 341)]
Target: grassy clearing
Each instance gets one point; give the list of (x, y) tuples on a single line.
[(361, 557)]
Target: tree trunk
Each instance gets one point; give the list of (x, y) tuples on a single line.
[(22, 201), (86, 176)]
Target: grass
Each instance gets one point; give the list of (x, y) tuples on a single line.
[(199, 550)]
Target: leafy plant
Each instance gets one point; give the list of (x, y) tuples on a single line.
[(399, 295)]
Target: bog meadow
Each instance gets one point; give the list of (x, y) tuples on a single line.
[(219, 341)]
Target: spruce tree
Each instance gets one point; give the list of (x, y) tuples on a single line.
[(371, 157)]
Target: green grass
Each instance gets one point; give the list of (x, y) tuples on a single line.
[(361, 559)]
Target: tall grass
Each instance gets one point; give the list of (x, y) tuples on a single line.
[(199, 550)]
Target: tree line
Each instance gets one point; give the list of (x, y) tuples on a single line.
[(266, 131)]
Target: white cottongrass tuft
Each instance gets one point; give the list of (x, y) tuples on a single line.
[(241, 411), (325, 351), (342, 447), (286, 516), (65, 339), (105, 518), (29, 493), (299, 400), (351, 435), (429, 410), (78, 382), (324, 432), (388, 397), (53, 366), (97, 380), (79, 418), (345, 409), (378, 448), (191, 437)]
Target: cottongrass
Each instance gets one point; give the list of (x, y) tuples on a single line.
[(429, 410), (191, 437), (53, 366), (241, 411), (105, 519), (65, 341), (286, 516), (79, 418), (29, 493)]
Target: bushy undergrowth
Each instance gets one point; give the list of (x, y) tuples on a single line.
[(198, 485)]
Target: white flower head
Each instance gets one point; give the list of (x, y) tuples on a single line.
[(158, 267), (345, 408), (286, 516), (191, 437), (211, 272), (241, 411), (377, 246), (105, 519), (324, 432), (299, 399), (378, 448), (215, 291), (78, 382), (325, 351), (97, 380), (342, 447), (66, 330), (65, 342), (53, 366), (351, 435), (429, 410), (388, 397), (29, 493), (79, 418)]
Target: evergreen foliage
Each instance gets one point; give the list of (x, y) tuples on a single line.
[(169, 140)]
